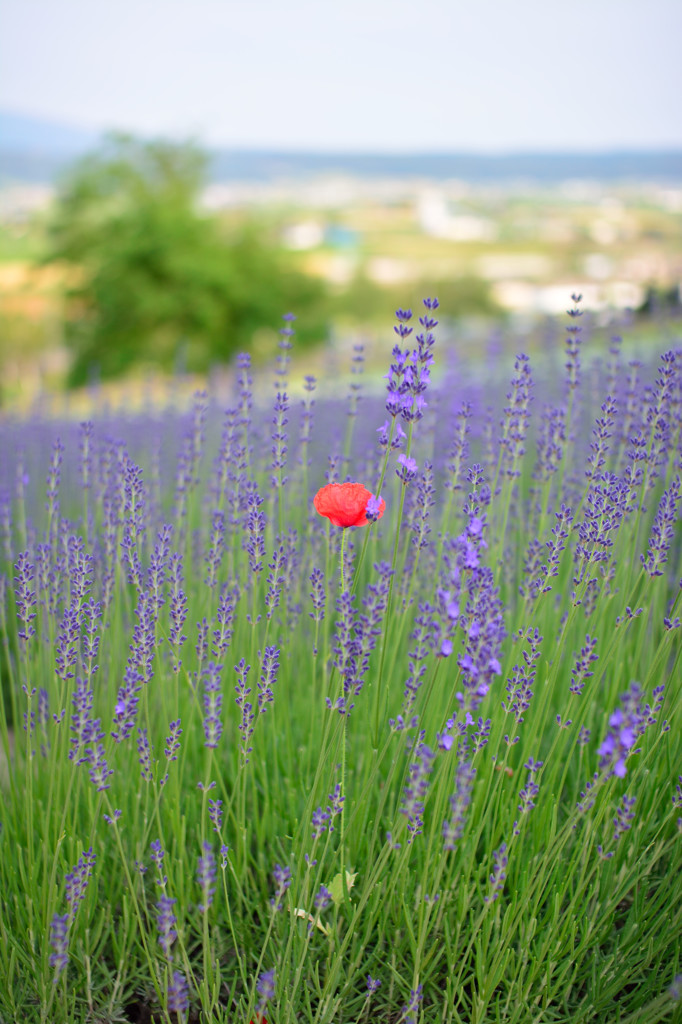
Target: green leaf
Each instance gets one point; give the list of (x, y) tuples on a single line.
[(336, 886)]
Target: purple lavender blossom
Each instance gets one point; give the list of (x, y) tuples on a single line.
[(90, 617), (605, 506), (173, 741), (560, 533), (158, 853), (158, 567), (279, 440), (265, 986), (407, 468), (581, 670), (206, 875), (215, 813), (127, 701), (397, 386), (624, 817), (677, 799), (342, 644), (499, 872), (417, 788), (25, 596), (373, 508), (357, 367), (246, 724), (602, 432), (144, 637), (229, 462), (425, 500), (254, 534), (98, 770), (573, 344), (224, 621), (77, 881), (410, 1012), (395, 440), (306, 416), (528, 794), (356, 636), (551, 441), (520, 684), (480, 738), (282, 879), (318, 595), (319, 822), (626, 725), (82, 724), (323, 898), (458, 448), (53, 479), (276, 577), (335, 806), (216, 547), (213, 703), (268, 677), (59, 941), (459, 802), (245, 386), (421, 635), (515, 422), (144, 755), (80, 568), (178, 993), (658, 417), (67, 643), (85, 449), (373, 985), (178, 609), (166, 923), (663, 530), (44, 719), (202, 642)]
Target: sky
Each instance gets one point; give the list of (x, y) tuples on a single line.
[(367, 75)]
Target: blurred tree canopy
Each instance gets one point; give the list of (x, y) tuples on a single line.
[(158, 281)]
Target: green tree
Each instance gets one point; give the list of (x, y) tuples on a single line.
[(155, 276)]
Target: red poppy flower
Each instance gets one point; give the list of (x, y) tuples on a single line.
[(346, 504)]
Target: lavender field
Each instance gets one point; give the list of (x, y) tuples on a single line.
[(261, 764)]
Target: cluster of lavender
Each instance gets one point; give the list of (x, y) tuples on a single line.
[(146, 562)]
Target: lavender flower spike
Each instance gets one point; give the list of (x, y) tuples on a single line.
[(499, 872), (178, 993), (59, 941), (206, 874), (266, 989), (663, 530), (410, 1012), (213, 702)]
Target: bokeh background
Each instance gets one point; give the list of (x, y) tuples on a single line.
[(176, 175)]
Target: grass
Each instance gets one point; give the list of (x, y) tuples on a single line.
[(491, 832)]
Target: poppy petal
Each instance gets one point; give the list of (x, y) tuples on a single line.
[(346, 504)]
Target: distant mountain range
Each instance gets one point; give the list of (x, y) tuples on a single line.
[(33, 150)]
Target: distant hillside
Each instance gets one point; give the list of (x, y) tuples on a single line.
[(474, 167), (37, 151)]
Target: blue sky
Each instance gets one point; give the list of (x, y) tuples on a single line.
[(382, 75)]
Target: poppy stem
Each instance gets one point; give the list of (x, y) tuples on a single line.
[(343, 559)]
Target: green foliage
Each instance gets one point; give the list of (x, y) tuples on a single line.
[(364, 301), (158, 281)]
